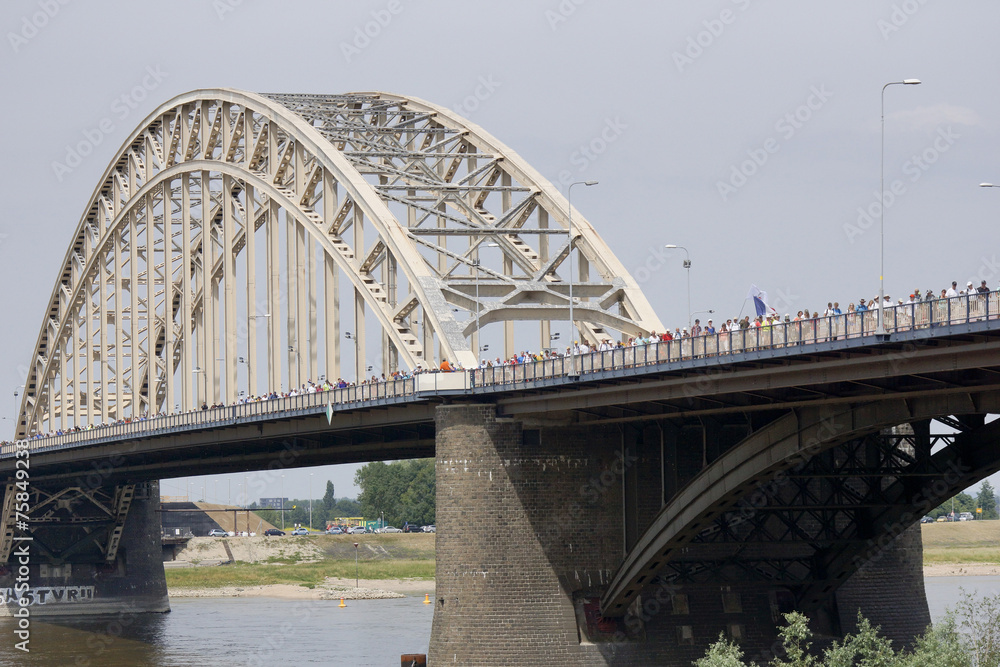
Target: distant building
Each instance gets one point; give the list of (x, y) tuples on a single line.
[(273, 503)]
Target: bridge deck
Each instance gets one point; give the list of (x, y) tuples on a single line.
[(800, 351)]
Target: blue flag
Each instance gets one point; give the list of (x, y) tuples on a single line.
[(760, 301)]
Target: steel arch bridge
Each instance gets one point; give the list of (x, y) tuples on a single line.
[(230, 224)]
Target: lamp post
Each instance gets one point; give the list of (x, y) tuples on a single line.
[(880, 330), (700, 312), (197, 369), (357, 352), (982, 185), (569, 198), (687, 266), (310, 501), (16, 415), (356, 575), (246, 362), (282, 501), (479, 348)]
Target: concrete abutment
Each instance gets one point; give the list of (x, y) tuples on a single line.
[(65, 561)]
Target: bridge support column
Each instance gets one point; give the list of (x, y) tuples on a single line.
[(93, 550), (528, 523), (889, 590)]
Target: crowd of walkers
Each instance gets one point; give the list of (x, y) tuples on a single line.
[(806, 325), (761, 330)]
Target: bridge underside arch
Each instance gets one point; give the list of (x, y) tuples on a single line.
[(801, 504), (243, 243)]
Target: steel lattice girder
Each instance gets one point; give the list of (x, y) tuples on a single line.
[(159, 283), (891, 479), (817, 526)]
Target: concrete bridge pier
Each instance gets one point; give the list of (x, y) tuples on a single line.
[(533, 521), (92, 549)]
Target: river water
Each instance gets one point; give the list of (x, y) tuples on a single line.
[(233, 631), (265, 631)]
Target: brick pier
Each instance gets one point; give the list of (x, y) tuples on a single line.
[(530, 527)]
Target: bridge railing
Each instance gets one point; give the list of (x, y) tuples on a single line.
[(899, 318), (228, 414), (921, 315)]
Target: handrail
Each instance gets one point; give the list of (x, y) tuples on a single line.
[(899, 318)]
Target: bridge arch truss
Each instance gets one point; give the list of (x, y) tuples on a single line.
[(214, 256)]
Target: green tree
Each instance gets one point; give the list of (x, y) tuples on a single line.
[(346, 507), (986, 499), (402, 490), (329, 499), (418, 500), (968, 636), (963, 503)]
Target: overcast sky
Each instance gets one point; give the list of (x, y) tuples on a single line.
[(746, 131)]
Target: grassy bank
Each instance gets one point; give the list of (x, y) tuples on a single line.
[(379, 557), (302, 574), (961, 542)]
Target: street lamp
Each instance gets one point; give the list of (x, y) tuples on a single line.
[(479, 357), (197, 369), (241, 360), (479, 346), (357, 353), (356, 576), (16, 415), (687, 265), (988, 185), (880, 331), (700, 312), (282, 501), (569, 198), (310, 501)]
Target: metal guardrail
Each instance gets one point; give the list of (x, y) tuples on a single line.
[(231, 414), (922, 315), (900, 318)]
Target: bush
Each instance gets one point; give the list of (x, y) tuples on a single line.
[(968, 636)]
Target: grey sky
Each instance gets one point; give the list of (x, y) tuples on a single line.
[(747, 131)]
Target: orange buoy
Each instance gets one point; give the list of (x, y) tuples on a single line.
[(342, 603), (427, 598)]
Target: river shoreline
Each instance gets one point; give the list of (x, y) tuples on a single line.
[(962, 570), (376, 589), (331, 589)]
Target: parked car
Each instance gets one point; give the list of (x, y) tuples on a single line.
[(274, 531), (412, 528), (388, 529), (356, 530), (300, 531), (334, 530), (430, 529), (217, 532), (926, 519), (965, 516)]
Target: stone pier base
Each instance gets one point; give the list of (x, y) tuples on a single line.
[(530, 527), (67, 570)]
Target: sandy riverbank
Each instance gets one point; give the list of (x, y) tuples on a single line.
[(375, 589), (963, 570), (331, 589)]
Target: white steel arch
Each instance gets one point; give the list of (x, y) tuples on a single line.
[(221, 238)]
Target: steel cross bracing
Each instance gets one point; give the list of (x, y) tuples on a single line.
[(812, 526), (77, 520), (214, 254)]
